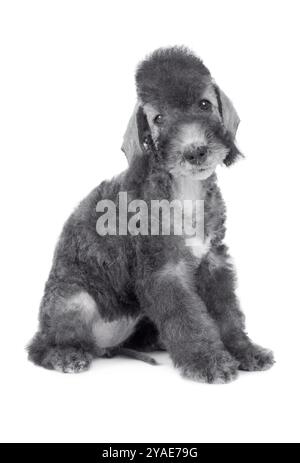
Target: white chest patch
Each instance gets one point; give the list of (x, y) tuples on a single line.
[(198, 247), (187, 189)]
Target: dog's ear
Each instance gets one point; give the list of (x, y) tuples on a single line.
[(143, 129), (231, 122), (227, 112), (137, 138), (131, 144)]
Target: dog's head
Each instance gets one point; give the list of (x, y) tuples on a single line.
[(183, 114)]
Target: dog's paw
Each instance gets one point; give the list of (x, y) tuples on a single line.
[(68, 360), (76, 362), (255, 358), (219, 367)]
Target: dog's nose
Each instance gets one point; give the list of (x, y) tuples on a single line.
[(201, 151), (196, 156)]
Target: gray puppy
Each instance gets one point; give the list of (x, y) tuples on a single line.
[(118, 292)]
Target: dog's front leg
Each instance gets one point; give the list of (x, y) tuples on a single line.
[(189, 334), (216, 286)]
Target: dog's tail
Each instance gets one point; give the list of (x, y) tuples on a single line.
[(134, 354)]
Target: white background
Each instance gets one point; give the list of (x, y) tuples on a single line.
[(66, 94)]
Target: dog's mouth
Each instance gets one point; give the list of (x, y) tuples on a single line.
[(204, 169), (202, 172), (199, 167), (195, 166), (194, 172)]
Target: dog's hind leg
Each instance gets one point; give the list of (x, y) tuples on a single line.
[(64, 341), (74, 329)]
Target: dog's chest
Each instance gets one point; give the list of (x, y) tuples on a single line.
[(191, 194)]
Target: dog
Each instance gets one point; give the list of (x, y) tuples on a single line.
[(117, 293)]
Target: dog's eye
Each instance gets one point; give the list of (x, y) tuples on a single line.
[(205, 105), (158, 119)]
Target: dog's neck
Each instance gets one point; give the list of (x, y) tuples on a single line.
[(189, 188)]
